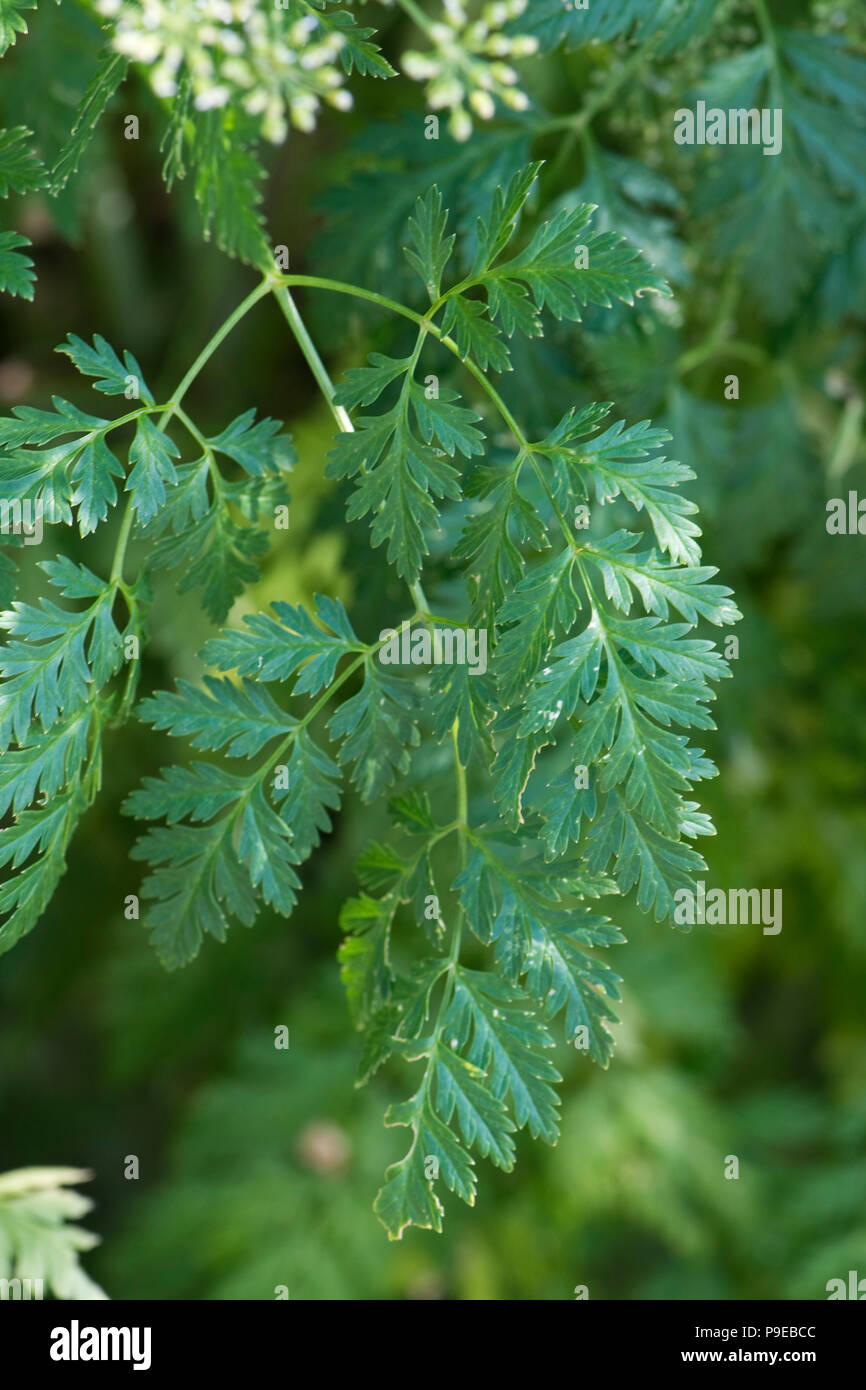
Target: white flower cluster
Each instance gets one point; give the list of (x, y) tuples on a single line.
[(279, 62), (466, 72)]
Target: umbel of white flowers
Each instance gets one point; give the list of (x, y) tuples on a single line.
[(465, 72), (234, 50)]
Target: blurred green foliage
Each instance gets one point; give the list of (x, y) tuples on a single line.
[(258, 1166)]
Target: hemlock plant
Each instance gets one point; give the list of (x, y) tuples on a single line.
[(39, 1247), (481, 931)]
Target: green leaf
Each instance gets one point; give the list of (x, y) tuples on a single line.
[(673, 23), (16, 270), (520, 906), (625, 735), (12, 21), (408, 1199), (387, 169), (172, 145), (113, 377), (378, 1042), (108, 78), (53, 660), (627, 460), (150, 454), (364, 385), (660, 586), (400, 475), (457, 695), (205, 875), (228, 190), (552, 270), (38, 1241), (212, 521), (466, 321), (571, 677), (46, 833), (377, 727), (263, 820), (507, 1043), (594, 664), (93, 490), (242, 719), (657, 864), (782, 216), (637, 202), (43, 763), (357, 53), (257, 446), (441, 421), (563, 805), (217, 554), (412, 812), (21, 169), (398, 456), (562, 975), (514, 765), (198, 792), (553, 23), (461, 1092), (431, 248), (312, 791), (29, 425), (496, 230), (76, 473), (273, 649), (363, 955), (504, 520), (544, 600), (196, 876), (826, 66)]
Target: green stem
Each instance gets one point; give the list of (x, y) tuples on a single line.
[(311, 714), (293, 317), (213, 343), (123, 420), (490, 390), (290, 311), (526, 450), (192, 428), (419, 599), (216, 476), (426, 326), (340, 287), (450, 968), (116, 575), (173, 407), (320, 282), (462, 799)]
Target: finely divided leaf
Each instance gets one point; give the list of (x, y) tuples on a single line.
[(17, 275), (21, 169)]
